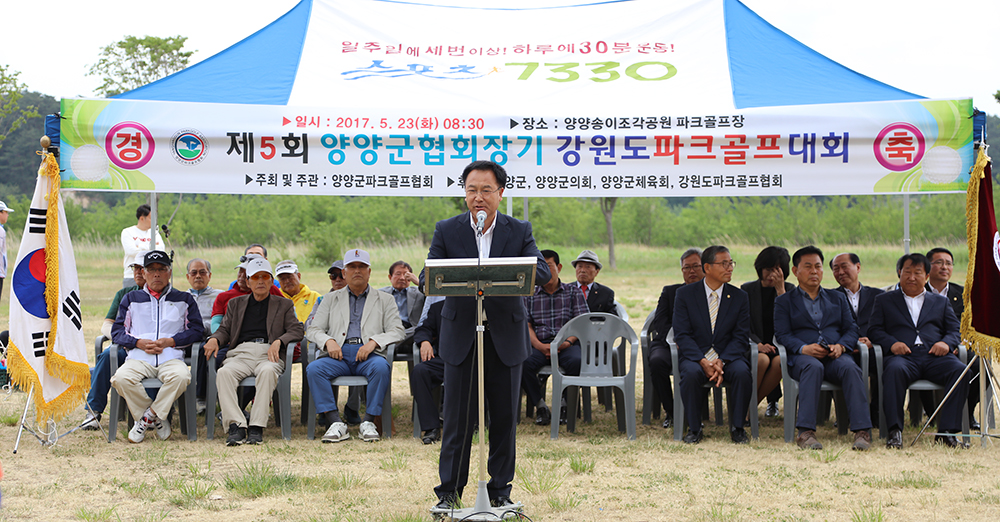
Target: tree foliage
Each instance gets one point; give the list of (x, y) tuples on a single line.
[(18, 161), (133, 62), (12, 115)]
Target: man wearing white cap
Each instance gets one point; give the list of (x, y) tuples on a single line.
[(353, 326), (155, 325), (4, 214), (290, 281), (258, 326), (599, 297)]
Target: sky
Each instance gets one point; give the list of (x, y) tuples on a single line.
[(927, 47)]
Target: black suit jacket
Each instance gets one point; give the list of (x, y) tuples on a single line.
[(954, 297), (693, 326), (430, 329), (755, 292), (891, 322), (600, 298), (663, 319), (866, 302), (794, 329), (455, 238)]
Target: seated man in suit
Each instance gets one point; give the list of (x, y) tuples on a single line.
[(917, 331), (428, 373), (549, 309), (816, 327), (659, 351), (156, 325), (712, 331), (772, 270), (846, 268), (939, 282), (353, 328), (409, 299), (599, 297), (258, 326)]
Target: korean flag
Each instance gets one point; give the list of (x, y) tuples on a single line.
[(47, 349)]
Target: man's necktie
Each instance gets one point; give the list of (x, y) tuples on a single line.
[(584, 288), (713, 313)]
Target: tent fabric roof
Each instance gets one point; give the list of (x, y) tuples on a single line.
[(766, 67)]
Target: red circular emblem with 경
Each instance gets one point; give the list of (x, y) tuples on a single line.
[(899, 146), (129, 145)]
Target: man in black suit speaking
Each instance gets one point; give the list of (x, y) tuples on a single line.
[(506, 344)]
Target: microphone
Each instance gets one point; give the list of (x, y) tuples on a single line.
[(480, 221)]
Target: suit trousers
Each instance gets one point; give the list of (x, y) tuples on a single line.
[(174, 374), (461, 411), (736, 374), (425, 377), (247, 359), (902, 370), (100, 379), (811, 372), (569, 361), (375, 368), (661, 368)]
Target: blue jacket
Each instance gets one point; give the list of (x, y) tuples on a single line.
[(794, 328), (693, 326), (141, 316)]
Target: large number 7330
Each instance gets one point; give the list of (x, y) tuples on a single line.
[(601, 71)]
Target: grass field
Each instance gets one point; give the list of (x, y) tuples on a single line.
[(593, 474)]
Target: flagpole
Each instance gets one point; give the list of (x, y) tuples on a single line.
[(24, 415)]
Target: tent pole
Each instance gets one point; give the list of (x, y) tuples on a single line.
[(526, 209), (906, 224), (510, 206)]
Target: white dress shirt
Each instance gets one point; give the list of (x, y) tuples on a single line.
[(915, 304)]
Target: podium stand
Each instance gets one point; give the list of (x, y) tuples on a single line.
[(468, 277)]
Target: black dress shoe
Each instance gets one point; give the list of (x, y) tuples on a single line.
[(693, 437), (739, 436), (951, 441), (431, 436), (973, 423), (448, 502), (351, 417), (895, 440), (772, 410), (562, 415), (668, 422), (543, 417), (501, 502)]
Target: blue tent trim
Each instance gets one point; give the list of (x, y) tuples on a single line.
[(769, 68), (260, 69)]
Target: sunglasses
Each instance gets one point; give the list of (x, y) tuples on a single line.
[(336, 275)]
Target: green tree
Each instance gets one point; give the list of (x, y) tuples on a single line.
[(12, 115), (133, 62)]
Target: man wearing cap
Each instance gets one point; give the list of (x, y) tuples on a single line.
[(135, 239), (4, 214), (599, 297), (199, 275), (155, 325), (353, 328), (409, 299), (292, 287), (259, 326), (100, 375), (240, 288), (336, 272), (505, 345)]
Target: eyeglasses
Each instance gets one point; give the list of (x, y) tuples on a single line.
[(337, 275), (689, 268), (725, 264), (194, 273), (942, 262), (487, 192), (157, 270), (258, 277)]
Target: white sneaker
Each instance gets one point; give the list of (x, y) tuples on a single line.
[(91, 422), (336, 433), (368, 431), (162, 428), (138, 431)]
